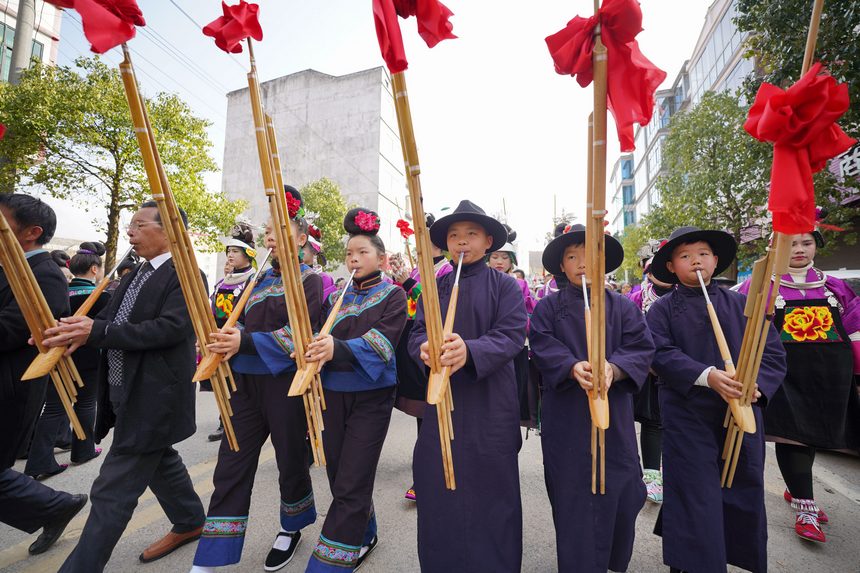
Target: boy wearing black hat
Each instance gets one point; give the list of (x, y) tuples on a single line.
[(704, 526), (478, 526), (593, 532)]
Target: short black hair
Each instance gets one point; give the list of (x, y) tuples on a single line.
[(89, 254), (31, 211), (154, 205)]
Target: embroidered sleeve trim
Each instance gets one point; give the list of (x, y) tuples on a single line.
[(284, 338), (379, 343)]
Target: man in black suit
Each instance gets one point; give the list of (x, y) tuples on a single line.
[(146, 395), (25, 503)]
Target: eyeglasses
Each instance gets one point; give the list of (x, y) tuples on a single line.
[(137, 225)]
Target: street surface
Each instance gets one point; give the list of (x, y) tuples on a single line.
[(837, 489)]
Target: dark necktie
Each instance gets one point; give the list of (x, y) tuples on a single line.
[(116, 357)]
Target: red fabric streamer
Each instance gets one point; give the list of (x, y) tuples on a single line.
[(433, 27), (2, 131), (632, 77), (405, 230), (238, 22), (107, 23), (800, 122)]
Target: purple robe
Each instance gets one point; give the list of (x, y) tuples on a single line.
[(328, 285), (594, 533), (703, 525), (477, 527)]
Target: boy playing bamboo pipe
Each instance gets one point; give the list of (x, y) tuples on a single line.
[(477, 527), (704, 526), (259, 354), (593, 532)]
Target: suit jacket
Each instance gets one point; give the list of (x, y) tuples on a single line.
[(21, 402), (156, 405)]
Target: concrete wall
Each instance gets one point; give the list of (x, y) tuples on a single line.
[(340, 127)]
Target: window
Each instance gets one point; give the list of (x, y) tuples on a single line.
[(629, 218), (627, 169), (7, 36), (629, 194)]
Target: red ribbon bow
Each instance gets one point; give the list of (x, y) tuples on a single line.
[(405, 230), (238, 22), (632, 77), (800, 122), (433, 27), (107, 23)]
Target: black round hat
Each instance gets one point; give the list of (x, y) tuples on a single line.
[(468, 211), (574, 235), (722, 243)]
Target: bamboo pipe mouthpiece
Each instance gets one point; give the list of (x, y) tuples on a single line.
[(44, 363)]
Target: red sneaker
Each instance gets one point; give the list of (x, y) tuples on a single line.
[(822, 517), (807, 527)]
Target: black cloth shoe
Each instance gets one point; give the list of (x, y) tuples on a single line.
[(216, 435), (277, 558), (52, 531), (370, 547)]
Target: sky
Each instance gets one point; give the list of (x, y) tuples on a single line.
[(493, 121)]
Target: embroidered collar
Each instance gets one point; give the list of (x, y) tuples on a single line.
[(368, 282), (238, 277)]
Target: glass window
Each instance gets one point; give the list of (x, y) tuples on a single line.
[(627, 169), (38, 49), (629, 196)]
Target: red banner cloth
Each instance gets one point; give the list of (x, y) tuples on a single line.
[(433, 27), (632, 77), (239, 21), (107, 23), (800, 122), (2, 130)]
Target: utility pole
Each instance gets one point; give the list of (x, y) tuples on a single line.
[(22, 49)]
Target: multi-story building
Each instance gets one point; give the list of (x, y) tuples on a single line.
[(340, 127), (623, 195), (717, 64), (46, 39)]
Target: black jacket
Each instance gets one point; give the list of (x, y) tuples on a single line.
[(156, 408), (21, 402)]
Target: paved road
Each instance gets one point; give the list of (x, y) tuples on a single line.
[(837, 489)]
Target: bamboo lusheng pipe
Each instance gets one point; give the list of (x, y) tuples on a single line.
[(44, 363), (764, 289), (445, 403), (37, 314), (210, 363), (598, 434), (436, 390), (306, 381), (184, 260)]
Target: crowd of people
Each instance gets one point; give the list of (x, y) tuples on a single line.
[(518, 357)]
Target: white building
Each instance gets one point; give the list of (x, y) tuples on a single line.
[(716, 64), (46, 40), (340, 127)]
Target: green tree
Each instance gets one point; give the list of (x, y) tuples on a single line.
[(632, 239), (778, 41), (323, 200), (70, 133), (715, 175)]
